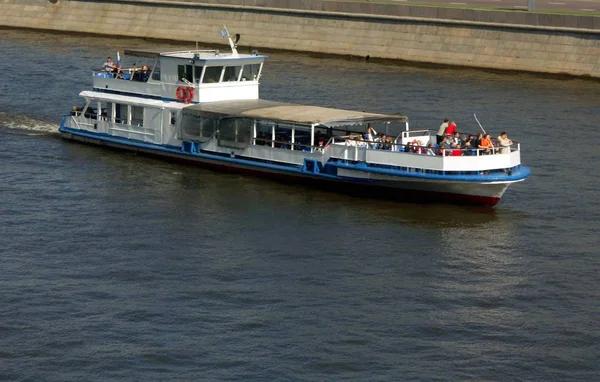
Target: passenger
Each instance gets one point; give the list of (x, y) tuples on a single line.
[(370, 137), (109, 65), (476, 140), (387, 145), (466, 145), (446, 145), (451, 128), (360, 141), (456, 151), (320, 146), (486, 144), (145, 73), (504, 143), (457, 139), (380, 141), (441, 131), (75, 110), (430, 149)]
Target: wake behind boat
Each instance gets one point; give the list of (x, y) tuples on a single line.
[(203, 106)]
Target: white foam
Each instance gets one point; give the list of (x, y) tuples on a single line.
[(28, 125)]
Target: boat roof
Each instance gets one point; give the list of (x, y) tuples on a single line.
[(189, 54), (294, 113)]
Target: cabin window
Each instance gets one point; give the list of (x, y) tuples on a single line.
[(194, 126), (264, 133), (250, 72), (121, 113), (212, 74), (198, 73), (232, 73), (235, 132), (185, 72), (137, 115)]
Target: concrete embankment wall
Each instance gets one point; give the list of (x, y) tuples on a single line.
[(503, 44)]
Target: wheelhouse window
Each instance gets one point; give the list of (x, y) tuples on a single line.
[(185, 72), (250, 72), (212, 74), (232, 73), (198, 72)]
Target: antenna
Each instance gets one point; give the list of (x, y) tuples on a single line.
[(479, 123), (225, 33)]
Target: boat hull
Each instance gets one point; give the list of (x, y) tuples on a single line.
[(349, 182)]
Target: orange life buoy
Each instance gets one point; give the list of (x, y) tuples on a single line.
[(181, 93), (190, 95)]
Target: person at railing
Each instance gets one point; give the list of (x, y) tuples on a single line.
[(476, 140), (371, 137), (467, 145), (145, 73), (430, 149), (320, 146), (441, 131), (109, 66), (451, 128), (486, 144), (456, 138), (504, 143), (387, 144), (456, 151)]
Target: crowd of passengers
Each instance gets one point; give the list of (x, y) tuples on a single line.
[(449, 142)]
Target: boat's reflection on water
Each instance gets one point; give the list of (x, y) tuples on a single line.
[(339, 205)]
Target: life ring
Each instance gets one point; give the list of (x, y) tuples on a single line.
[(185, 94), (181, 93), (190, 95)]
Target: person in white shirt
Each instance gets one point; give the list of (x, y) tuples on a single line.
[(109, 65), (441, 131), (504, 143)]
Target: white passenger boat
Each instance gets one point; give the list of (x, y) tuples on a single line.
[(203, 106)]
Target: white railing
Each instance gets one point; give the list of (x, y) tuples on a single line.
[(416, 156)]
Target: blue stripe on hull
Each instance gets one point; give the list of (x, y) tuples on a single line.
[(360, 186)]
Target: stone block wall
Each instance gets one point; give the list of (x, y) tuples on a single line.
[(461, 43)]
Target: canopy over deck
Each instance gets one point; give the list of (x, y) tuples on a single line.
[(293, 113)]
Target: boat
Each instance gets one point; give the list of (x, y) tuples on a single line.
[(203, 107)]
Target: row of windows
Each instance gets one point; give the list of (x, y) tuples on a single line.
[(116, 113), (214, 74)]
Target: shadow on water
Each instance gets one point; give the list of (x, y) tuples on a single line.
[(232, 192)]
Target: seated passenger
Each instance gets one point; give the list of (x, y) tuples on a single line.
[(457, 139), (456, 151), (387, 144), (504, 143), (430, 150)]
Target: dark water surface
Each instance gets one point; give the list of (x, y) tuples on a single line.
[(115, 266)]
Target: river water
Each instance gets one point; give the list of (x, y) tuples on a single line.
[(116, 266)]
